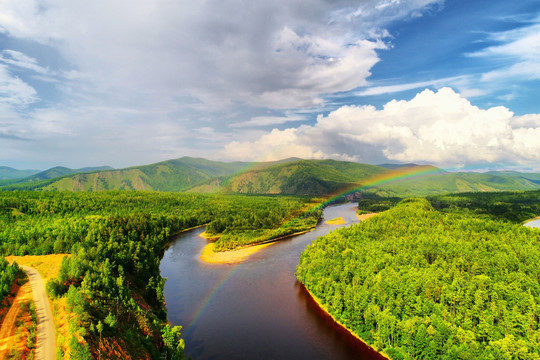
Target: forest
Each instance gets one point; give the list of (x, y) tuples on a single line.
[(112, 281), (417, 283), (8, 273), (515, 206)]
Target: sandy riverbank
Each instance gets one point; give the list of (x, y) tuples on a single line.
[(238, 255), (208, 254), (533, 219)]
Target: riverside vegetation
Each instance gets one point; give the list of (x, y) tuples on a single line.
[(112, 282), (415, 282)]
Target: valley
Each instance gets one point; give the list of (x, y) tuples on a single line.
[(114, 288)]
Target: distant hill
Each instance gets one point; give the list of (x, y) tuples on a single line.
[(171, 175), (296, 177), (532, 177), (397, 166), (62, 171), (8, 173), (51, 173), (289, 177), (448, 182)]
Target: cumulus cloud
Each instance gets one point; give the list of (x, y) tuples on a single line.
[(440, 127)]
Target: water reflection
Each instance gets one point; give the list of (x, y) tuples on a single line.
[(255, 310)]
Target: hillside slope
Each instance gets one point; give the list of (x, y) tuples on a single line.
[(49, 174), (446, 182), (285, 177), (298, 177), (8, 173), (171, 175)]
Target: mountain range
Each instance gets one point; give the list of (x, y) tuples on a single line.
[(289, 177), (7, 173)]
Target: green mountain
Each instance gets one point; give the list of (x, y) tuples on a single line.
[(287, 177), (325, 177), (295, 177), (62, 171), (171, 175), (51, 173), (397, 166), (8, 173), (532, 177), (446, 182)]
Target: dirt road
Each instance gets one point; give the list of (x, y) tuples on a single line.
[(46, 333)]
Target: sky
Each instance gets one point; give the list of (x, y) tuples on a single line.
[(453, 83)]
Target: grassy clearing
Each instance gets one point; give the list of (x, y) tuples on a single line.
[(337, 221)]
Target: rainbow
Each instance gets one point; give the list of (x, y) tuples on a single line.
[(400, 174), (376, 180), (205, 302)]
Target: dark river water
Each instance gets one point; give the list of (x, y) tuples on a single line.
[(256, 309)]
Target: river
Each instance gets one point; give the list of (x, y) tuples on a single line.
[(256, 309), (533, 223)]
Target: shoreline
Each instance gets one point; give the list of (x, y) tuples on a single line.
[(337, 322), (205, 235), (365, 216), (188, 229), (208, 255), (529, 220)]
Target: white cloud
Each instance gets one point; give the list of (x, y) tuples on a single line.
[(18, 59), (519, 46), (389, 89), (526, 121), (13, 90), (274, 145), (437, 127), (259, 121), (279, 54)]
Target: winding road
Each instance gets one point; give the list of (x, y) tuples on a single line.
[(46, 333)]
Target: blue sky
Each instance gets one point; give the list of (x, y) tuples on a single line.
[(450, 83)]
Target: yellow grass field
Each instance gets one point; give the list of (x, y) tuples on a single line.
[(47, 265)]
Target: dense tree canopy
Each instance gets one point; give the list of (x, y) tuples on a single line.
[(515, 206), (112, 280), (7, 276), (418, 283)]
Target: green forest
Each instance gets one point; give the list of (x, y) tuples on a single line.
[(515, 206), (417, 283), (8, 273), (450, 276), (112, 280)]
